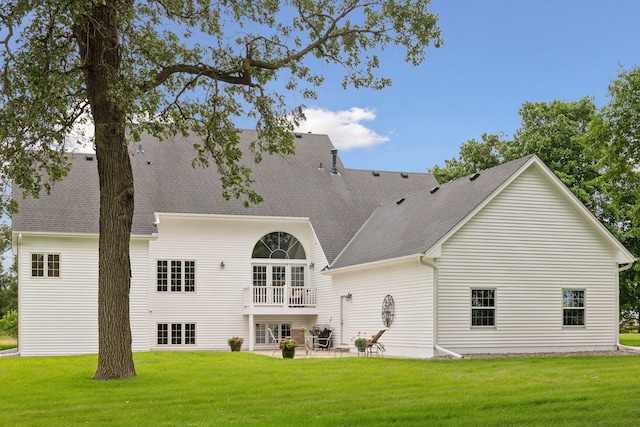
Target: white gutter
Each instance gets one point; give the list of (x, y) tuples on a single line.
[(624, 267), (436, 271)]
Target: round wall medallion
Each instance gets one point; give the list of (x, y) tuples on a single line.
[(387, 311)]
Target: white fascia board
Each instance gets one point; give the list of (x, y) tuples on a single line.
[(371, 264), (219, 217), (23, 234), (433, 252)]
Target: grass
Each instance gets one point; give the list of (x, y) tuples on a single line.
[(631, 338), (198, 388), (7, 342)]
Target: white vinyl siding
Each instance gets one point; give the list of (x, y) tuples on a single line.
[(411, 286), (59, 315), (528, 244), (217, 305)]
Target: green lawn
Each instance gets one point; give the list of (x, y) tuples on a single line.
[(632, 338), (204, 389)]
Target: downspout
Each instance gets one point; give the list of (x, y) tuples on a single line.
[(436, 271), (622, 268)]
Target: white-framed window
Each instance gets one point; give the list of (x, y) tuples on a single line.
[(573, 307), (280, 331), (45, 265), (483, 307), (279, 270), (176, 276), (163, 333), (176, 333)]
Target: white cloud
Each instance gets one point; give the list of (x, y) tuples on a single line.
[(343, 127)]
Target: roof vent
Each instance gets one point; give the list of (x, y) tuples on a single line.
[(320, 167), (89, 158), (298, 135), (374, 173), (474, 176), (148, 162), (434, 189), (404, 175), (400, 201), (139, 150), (334, 169)]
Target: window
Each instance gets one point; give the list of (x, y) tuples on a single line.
[(177, 337), (278, 245), (182, 276), (279, 270), (190, 333), (483, 308), (163, 333), (189, 276), (163, 276), (45, 262), (280, 331), (297, 275), (572, 307), (176, 333)]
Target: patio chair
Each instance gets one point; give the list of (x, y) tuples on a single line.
[(323, 341), (274, 341), (374, 346)]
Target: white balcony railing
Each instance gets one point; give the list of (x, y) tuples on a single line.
[(280, 296)]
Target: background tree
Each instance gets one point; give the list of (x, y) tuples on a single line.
[(555, 131), (175, 67), (615, 137), (474, 156), (8, 282)]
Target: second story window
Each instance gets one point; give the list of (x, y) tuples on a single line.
[(176, 276), (45, 265)]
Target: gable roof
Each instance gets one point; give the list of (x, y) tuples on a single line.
[(166, 182), (422, 221)]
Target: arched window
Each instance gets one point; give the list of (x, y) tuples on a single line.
[(278, 245), (279, 270)]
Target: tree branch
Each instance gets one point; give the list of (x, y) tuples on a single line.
[(237, 77)]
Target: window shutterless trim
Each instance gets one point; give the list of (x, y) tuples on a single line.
[(176, 276), (176, 334), (574, 308), (48, 265), (483, 307)]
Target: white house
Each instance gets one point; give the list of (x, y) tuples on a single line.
[(506, 260)]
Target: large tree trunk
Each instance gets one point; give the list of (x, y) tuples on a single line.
[(98, 41)]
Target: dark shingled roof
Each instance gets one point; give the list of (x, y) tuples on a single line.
[(420, 220), (165, 181)]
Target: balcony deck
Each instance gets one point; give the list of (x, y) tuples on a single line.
[(300, 300)]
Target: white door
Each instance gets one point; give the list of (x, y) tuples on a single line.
[(344, 320)]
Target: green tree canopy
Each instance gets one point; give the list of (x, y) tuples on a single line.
[(175, 67), (615, 136), (553, 131)]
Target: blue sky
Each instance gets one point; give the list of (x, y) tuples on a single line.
[(496, 55)]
